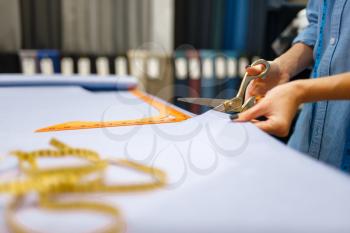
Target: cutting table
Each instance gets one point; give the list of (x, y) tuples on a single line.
[(222, 176)]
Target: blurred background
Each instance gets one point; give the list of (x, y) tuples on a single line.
[(175, 48)]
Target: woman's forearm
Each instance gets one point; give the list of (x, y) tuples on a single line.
[(296, 59), (336, 87)]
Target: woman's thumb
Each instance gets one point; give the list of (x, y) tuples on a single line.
[(250, 114)]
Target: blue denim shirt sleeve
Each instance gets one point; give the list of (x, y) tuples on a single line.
[(309, 35)]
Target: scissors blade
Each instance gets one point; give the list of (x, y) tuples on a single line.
[(220, 108), (204, 101)]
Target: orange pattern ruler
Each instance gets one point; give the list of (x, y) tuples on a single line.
[(167, 114)]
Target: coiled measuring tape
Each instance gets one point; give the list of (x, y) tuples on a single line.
[(50, 182), (167, 114), (117, 224)]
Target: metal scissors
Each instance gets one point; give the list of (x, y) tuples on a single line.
[(236, 104)]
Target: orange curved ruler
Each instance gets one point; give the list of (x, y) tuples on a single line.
[(167, 114)]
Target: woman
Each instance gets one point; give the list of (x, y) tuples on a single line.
[(323, 127)]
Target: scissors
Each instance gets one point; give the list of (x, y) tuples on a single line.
[(236, 104)]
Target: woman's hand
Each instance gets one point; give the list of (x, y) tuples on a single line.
[(259, 87), (279, 107)]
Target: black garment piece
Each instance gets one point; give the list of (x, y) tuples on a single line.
[(217, 29), (257, 27), (193, 27), (180, 23), (204, 24), (278, 18), (41, 24), (28, 24), (9, 63), (55, 26)]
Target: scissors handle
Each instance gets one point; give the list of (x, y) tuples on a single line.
[(247, 78)]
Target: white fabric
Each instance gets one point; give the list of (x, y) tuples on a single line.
[(223, 176)]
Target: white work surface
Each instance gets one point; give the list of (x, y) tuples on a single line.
[(223, 176)]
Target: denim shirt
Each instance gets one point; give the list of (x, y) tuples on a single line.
[(323, 128)]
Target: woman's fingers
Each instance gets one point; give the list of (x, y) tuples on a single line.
[(265, 126), (273, 127), (256, 88), (255, 70), (276, 123)]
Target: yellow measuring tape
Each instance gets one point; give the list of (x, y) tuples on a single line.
[(117, 224), (167, 114), (48, 183)]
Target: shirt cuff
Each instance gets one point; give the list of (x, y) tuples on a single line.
[(308, 37)]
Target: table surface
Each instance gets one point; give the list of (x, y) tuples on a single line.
[(223, 176)]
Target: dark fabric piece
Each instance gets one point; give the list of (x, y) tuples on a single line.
[(28, 25), (41, 22), (55, 27), (180, 23), (9, 63), (205, 19), (193, 26), (229, 24), (181, 88), (278, 18), (217, 24), (241, 25), (257, 27), (42, 27)]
